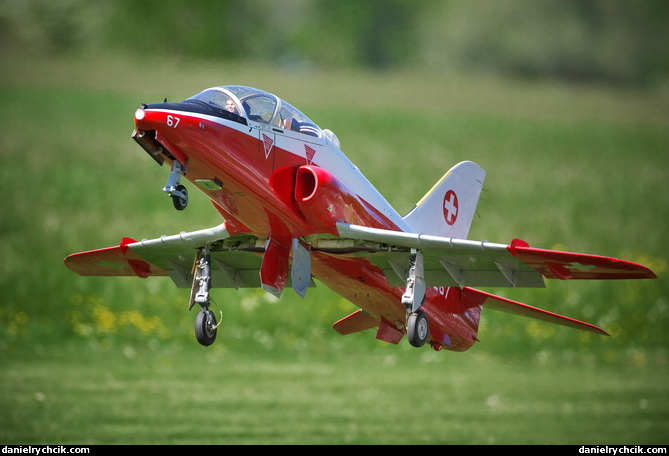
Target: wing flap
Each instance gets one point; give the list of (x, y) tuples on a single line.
[(491, 301)]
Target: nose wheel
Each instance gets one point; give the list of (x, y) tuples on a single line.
[(179, 197)]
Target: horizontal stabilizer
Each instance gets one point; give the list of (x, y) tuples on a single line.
[(491, 301), (356, 322)]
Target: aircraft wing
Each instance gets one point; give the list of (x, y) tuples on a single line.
[(236, 260), (459, 262)]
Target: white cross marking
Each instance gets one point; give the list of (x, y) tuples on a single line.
[(575, 266), (451, 208)]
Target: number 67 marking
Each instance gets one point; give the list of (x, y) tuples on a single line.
[(173, 121)]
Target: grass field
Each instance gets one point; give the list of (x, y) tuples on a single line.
[(191, 396), (101, 360)]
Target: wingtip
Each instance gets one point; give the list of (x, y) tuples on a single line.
[(554, 264)]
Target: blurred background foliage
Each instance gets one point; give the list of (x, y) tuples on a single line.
[(617, 42), (100, 57), (565, 104)]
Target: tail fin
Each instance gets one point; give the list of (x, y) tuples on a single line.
[(448, 208)]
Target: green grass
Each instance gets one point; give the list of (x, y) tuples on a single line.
[(103, 360), (187, 395)]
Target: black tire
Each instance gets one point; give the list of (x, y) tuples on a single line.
[(205, 327), (180, 202), (417, 328)]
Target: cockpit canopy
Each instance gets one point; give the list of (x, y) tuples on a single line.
[(258, 106)]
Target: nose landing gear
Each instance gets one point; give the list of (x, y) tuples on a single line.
[(173, 187)]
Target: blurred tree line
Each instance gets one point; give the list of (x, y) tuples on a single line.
[(615, 41)]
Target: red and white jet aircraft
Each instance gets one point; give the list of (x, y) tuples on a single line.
[(296, 209)]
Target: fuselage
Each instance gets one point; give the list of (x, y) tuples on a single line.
[(247, 154), (273, 173)]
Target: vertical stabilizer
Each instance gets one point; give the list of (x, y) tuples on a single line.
[(448, 208)]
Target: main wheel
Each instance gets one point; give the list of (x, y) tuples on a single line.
[(205, 327), (180, 202), (417, 328)]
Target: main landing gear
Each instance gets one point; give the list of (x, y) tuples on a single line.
[(173, 187), (417, 324), (205, 321)]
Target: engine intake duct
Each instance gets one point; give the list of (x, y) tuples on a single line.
[(323, 200)]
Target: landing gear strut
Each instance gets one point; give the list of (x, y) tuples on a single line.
[(417, 323), (205, 321), (173, 187)]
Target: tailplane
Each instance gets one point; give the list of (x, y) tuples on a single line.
[(491, 301), (448, 208)]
